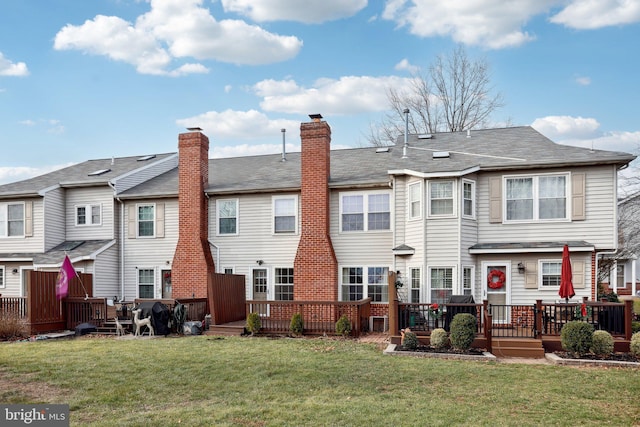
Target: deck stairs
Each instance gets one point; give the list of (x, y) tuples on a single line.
[(227, 329), (517, 347)]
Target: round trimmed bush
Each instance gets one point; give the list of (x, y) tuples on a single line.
[(439, 338), (602, 343), (410, 341), (635, 326), (463, 331), (576, 337), (635, 344), (253, 323), (343, 326), (297, 324)]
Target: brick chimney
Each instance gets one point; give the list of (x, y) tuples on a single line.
[(192, 261), (315, 265)]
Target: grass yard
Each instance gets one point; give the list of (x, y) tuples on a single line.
[(213, 381)]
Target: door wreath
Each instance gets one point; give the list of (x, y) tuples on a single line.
[(495, 279)]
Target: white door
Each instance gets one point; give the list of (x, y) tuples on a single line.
[(497, 285)]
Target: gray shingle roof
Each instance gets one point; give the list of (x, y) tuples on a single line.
[(77, 250), (77, 175)]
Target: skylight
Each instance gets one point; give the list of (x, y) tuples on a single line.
[(145, 158), (99, 172)]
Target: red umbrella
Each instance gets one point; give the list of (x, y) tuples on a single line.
[(566, 285)]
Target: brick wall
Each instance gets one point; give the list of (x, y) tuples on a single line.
[(192, 261), (315, 265)]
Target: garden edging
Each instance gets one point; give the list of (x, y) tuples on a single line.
[(555, 359), (485, 357)]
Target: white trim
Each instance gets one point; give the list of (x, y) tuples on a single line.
[(365, 281), (3, 275), (536, 198), (295, 214), (453, 174), (365, 210), (88, 214), (541, 287), (473, 199), (237, 217), (138, 206), (454, 192), (155, 279), (410, 216), (454, 279), (472, 278), (525, 249), (4, 233)]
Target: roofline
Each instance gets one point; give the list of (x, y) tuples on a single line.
[(453, 174), (27, 259), (531, 250)]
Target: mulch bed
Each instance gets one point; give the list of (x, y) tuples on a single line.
[(617, 357), (448, 350)]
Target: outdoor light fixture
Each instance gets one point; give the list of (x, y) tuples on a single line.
[(259, 262), (14, 271), (521, 268)]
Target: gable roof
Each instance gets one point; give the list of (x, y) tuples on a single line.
[(80, 175)]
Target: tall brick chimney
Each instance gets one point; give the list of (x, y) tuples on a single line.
[(192, 261), (315, 265)]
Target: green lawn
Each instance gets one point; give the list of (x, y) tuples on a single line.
[(212, 381)]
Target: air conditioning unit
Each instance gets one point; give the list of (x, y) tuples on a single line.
[(378, 323)]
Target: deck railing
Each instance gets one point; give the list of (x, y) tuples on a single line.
[(16, 306), (419, 317), (319, 317), (80, 310)]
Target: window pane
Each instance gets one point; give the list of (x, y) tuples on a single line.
[(415, 285), (379, 217), (378, 288), (284, 284), (552, 194), (441, 194), (3, 221), (379, 221), (414, 200), (227, 208), (352, 204), (227, 225), (284, 207), (352, 222), (519, 198), (441, 285), (468, 197), (16, 220), (352, 283), (145, 221), (95, 214), (146, 279), (285, 224), (284, 215), (82, 216), (551, 273)]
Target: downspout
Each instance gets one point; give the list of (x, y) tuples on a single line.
[(460, 212), (121, 243), (218, 270)]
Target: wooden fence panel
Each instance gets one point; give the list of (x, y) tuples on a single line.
[(227, 298)]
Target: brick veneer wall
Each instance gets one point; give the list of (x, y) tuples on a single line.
[(192, 261), (315, 265)]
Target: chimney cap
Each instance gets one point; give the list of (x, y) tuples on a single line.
[(315, 117), (194, 129)]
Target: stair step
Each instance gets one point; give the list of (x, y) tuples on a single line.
[(517, 347), (225, 330)]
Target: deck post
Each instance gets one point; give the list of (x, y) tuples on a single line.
[(393, 304), (538, 320), (628, 315)]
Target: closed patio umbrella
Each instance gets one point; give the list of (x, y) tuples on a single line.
[(566, 284)]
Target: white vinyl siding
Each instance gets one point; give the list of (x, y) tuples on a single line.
[(53, 221), (102, 197)]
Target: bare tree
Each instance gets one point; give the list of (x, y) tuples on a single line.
[(455, 95)]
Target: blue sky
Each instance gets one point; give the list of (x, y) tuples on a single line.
[(94, 79)]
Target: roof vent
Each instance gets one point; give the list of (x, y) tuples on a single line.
[(99, 172), (145, 158), (440, 154), (425, 136), (382, 150)]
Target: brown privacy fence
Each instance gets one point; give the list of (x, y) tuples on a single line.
[(319, 317), (44, 311), (226, 293)]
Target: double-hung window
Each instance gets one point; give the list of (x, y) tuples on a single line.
[(468, 199), (88, 215), (467, 280), (227, 214), (416, 284), (376, 279), (146, 220), (550, 272), (284, 284), (146, 282), (2, 280), (365, 211), (441, 198), (285, 214), (441, 284), (415, 200), (536, 198), (12, 220)]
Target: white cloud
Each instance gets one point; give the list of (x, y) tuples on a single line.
[(592, 14), (172, 30), (405, 65), (313, 12), (566, 127), (53, 126), (251, 150), (243, 125), (494, 24), (348, 95), (12, 69), (583, 80), (27, 122), (19, 173)]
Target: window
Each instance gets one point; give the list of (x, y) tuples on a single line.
[(2, 270), (536, 198), (468, 198), (441, 198), (441, 284), (415, 200), (146, 220), (377, 280), (620, 282), (416, 284), (284, 284), (467, 280), (369, 211), (88, 215), (12, 220), (550, 271), (284, 214), (227, 212), (146, 281), (228, 270)]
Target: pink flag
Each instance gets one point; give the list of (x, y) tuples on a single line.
[(67, 272)]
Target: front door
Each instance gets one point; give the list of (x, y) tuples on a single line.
[(260, 289), (166, 284), (496, 289)]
